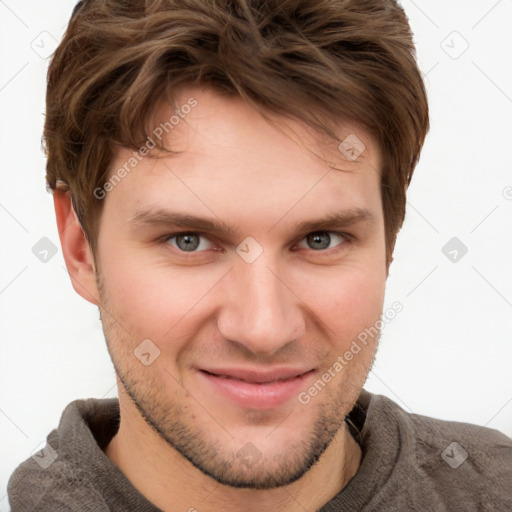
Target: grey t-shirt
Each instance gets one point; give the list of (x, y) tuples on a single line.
[(410, 463)]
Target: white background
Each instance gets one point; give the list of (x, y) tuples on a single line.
[(448, 354)]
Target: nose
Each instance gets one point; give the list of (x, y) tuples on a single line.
[(260, 311)]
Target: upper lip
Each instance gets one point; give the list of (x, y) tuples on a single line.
[(258, 376)]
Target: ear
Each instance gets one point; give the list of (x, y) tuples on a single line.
[(388, 265), (75, 248)]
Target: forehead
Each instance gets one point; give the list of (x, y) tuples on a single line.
[(228, 123), (232, 160)]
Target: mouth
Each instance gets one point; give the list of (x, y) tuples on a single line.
[(251, 389)]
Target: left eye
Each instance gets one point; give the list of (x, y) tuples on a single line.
[(321, 240), (189, 242)]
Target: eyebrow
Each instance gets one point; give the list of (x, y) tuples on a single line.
[(165, 218), (345, 218)]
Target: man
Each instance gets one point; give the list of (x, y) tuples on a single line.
[(229, 180)]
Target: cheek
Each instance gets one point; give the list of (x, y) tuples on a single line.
[(153, 300), (346, 300)]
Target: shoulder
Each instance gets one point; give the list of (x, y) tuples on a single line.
[(485, 449), (466, 465), (432, 435), (59, 477), (472, 463), (64, 488)]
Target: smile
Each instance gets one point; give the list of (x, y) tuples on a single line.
[(256, 390)]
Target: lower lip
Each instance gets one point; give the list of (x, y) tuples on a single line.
[(257, 396)]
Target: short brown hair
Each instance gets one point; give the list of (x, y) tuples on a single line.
[(317, 61)]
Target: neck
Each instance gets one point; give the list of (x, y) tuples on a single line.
[(170, 482)]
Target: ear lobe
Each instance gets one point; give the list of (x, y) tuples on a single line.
[(391, 259), (75, 248)]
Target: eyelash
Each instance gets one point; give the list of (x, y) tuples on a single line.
[(334, 250)]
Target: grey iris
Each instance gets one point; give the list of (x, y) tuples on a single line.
[(315, 240), (187, 242)]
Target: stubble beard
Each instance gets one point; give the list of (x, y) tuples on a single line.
[(178, 426)]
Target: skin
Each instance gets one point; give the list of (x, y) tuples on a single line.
[(295, 305)]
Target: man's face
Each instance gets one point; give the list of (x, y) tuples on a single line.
[(230, 313)]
